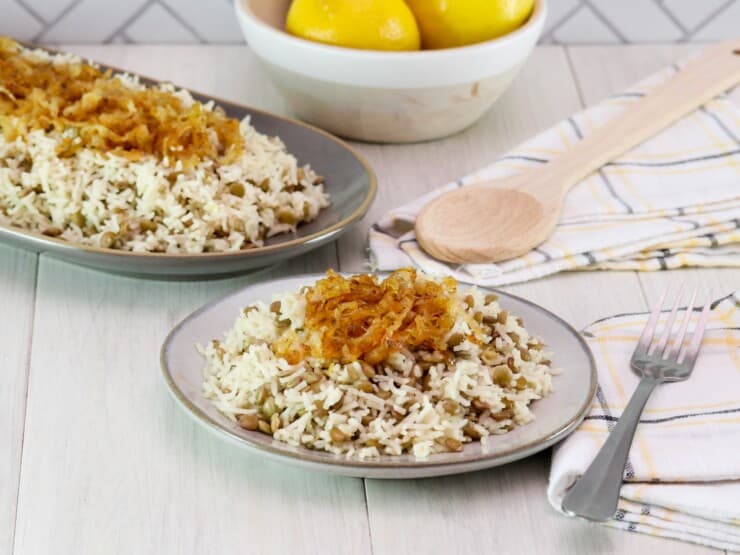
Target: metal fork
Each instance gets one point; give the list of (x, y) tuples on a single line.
[(656, 360)]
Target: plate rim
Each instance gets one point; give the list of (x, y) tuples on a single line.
[(256, 252), (307, 456)]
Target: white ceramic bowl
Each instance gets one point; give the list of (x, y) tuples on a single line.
[(385, 96)]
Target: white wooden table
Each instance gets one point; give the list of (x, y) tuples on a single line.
[(96, 458)]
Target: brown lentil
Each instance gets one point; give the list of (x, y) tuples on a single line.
[(505, 414), (268, 407), (337, 436), (364, 386), (237, 189), (264, 427), (107, 239), (249, 421), (479, 405), (501, 376), (367, 369), (452, 444), (455, 339), (275, 423), (286, 217), (471, 431), (78, 219), (147, 225)]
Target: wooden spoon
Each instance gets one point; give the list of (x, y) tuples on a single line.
[(504, 218)]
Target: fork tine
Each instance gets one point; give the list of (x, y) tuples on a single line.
[(689, 353), (649, 330), (675, 346), (663, 341)]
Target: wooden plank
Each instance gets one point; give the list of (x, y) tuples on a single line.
[(493, 511), (18, 286), (111, 463)]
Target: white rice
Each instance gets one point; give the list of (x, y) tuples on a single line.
[(92, 196), (242, 370)]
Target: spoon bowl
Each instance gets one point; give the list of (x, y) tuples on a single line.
[(444, 229)]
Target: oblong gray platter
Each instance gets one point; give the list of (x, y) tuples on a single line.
[(556, 415), (349, 180)]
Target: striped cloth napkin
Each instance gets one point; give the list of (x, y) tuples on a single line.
[(672, 201), (682, 478)]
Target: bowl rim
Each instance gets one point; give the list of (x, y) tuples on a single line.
[(536, 18)]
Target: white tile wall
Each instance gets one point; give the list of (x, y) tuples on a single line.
[(185, 21), (624, 21)]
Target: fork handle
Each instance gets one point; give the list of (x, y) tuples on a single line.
[(596, 494)]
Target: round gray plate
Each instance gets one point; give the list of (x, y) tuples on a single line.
[(350, 183), (556, 415)]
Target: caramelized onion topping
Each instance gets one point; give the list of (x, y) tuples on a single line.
[(96, 110), (363, 318)]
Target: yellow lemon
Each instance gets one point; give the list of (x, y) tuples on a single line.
[(448, 23), (365, 24)]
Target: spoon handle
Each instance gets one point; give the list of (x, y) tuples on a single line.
[(715, 70)]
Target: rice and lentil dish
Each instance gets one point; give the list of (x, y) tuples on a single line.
[(100, 159), (365, 367)]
